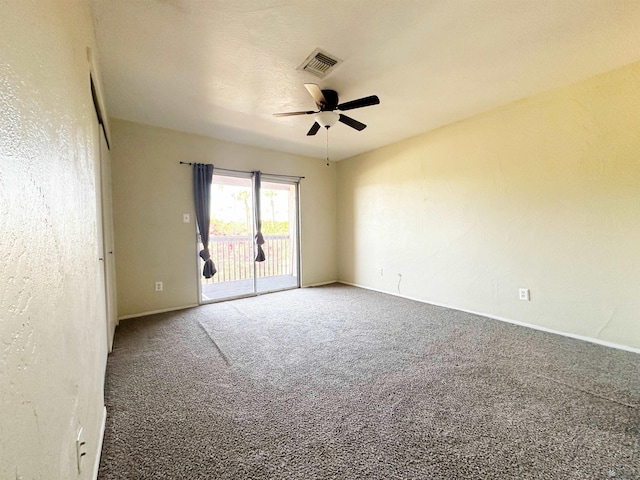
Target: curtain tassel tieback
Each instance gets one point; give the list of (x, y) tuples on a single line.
[(260, 256), (209, 269)]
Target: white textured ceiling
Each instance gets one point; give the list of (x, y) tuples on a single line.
[(222, 68)]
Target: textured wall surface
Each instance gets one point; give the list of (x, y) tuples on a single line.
[(542, 194), (52, 334), (151, 191)]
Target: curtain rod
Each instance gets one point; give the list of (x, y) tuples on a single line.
[(243, 171)]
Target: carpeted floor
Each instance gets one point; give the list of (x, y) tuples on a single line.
[(338, 382)]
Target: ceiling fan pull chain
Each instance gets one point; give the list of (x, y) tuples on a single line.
[(327, 146)]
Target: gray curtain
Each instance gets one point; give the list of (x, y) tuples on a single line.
[(260, 256), (202, 176)]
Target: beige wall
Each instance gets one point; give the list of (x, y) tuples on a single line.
[(542, 194), (52, 333), (151, 191)]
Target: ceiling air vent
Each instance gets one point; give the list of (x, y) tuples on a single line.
[(320, 63)]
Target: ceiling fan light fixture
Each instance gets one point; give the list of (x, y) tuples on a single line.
[(327, 119)]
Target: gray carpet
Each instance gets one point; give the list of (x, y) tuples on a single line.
[(337, 382)]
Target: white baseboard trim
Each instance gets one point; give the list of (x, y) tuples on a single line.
[(153, 312), (321, 284), (507, 320), (96, 465)]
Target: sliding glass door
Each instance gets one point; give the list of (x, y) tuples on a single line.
[(232, 237)]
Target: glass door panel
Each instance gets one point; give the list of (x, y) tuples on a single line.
[(279, 215), (230, 239)]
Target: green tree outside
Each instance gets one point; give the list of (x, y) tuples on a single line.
[(219, 228)]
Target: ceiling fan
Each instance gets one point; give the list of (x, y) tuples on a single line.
[(327, 103)]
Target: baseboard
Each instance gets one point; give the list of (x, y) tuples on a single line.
[(507, 320), (321, 284), (173, 309), (153, 312), (96, 465)]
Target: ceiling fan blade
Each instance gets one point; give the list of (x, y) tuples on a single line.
[(359, 103), (316, 93), (288, 114), (314, 129), (352, 123)]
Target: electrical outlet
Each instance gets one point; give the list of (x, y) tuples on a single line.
[(186, 218), (524, 294), (81, 448), (380, 271), (159, 286)]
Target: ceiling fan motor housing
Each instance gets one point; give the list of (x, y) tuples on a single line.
[(331, 96)]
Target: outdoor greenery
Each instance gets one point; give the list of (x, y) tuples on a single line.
[(269, 227)]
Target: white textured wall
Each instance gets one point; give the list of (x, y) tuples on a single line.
[(151, 191), (52, 335), (542, 194)]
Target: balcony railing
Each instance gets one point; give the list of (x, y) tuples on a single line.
[(233, 257)]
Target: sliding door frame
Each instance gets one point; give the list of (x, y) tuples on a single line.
[(293, 181)]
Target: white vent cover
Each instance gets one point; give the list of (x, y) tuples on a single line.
[(320, 63)]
